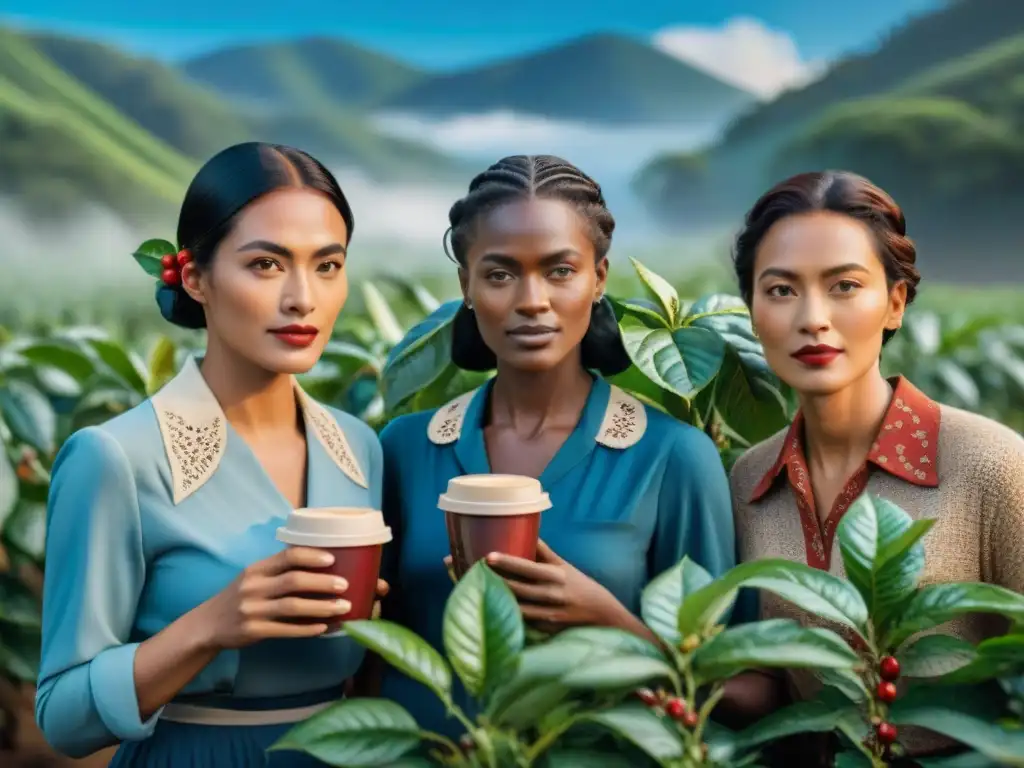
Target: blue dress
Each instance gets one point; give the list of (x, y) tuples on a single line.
[(149, 515), (633, 490)]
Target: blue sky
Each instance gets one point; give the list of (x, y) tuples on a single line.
[(449, 33)]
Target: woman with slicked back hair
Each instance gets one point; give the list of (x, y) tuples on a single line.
[(825, 264), (174, 621), (633, 490)]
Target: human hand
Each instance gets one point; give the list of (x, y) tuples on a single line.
[(552, 593), (273, 598), (381, 592)]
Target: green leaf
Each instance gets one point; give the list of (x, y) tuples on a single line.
[(846, 681), (19, 653), (56, 383), (611, 640), (997, 657), (18, 606), (162, 364), (582, 758), (802, 717), (748, 401), (648, 312), (121, 362), (639, 725), (61, 356), (536, 687), (404, 650), (773, 643), (660, 291), (812, 589), (852, 759), (383, 318), (25, 529), (29, 415), (483, 630), (964, 760), (660, 601), (934, 656), (882, 553), (8, 485), (936, 604), (619, 672), (354, 733), (705, 600), (683, 361), (420, 357), (989, 739), (349, 358), (149, 254)]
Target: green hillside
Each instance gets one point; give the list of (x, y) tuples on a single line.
[(603, 78), (81, 121), (199, 122), (961, 28), (191, 119), (63, 144), (924, 48), (314, 71), (945, 140)]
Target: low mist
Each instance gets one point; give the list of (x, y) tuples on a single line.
[(399, 226)]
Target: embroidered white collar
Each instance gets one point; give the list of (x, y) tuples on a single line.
[(624, 423), (194, 431)]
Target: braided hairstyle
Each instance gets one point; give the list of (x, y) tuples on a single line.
[(220, 191), (839, 192), (522, 177)]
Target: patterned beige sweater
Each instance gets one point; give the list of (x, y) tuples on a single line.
[(978, 505)]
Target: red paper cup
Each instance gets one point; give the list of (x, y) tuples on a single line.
[(356, 537), (492, 513)]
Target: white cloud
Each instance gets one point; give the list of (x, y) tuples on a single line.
[(743, 51), (598, 149)]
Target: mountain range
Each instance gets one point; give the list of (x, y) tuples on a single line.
[(935, 115), (82, 121)]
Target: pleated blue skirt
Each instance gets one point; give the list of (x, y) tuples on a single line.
[(188, 745)]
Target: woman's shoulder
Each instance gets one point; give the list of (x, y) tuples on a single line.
[(121, 447), (668, 433), (968, 439), (752, 465)]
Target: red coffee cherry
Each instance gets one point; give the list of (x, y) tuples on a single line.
[(647, 696), (676, 709), (690, 719), (886, 691), (184, 257), (886, 733), (889, 668), (171, 277), (167, 261)]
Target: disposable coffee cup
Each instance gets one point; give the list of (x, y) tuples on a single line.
[(492, 513), (356, 537)]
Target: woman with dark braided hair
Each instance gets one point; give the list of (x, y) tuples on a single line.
[(633, 490)]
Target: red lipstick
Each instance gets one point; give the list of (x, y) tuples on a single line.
[(817, 355), (296, 335)]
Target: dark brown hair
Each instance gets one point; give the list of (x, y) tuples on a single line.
[(840, 192)]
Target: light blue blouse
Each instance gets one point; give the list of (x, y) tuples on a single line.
[(633, 491), (149, 515)]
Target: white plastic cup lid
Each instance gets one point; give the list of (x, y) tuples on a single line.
[(486, 495), (335, 527)]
